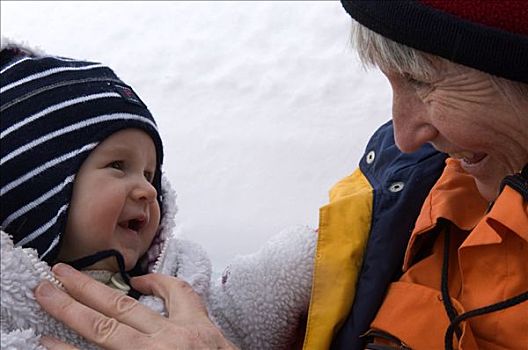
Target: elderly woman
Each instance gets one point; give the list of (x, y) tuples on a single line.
[(459, 74), (459, 227)]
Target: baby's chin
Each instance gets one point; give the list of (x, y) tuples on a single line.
[(104, 266), (110, 264)]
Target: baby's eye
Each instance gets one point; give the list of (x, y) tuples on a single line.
[(117, 164), (149, 176)]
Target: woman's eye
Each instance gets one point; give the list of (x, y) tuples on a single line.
[(414, 81)]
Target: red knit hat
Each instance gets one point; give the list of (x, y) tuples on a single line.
[(491, 35)]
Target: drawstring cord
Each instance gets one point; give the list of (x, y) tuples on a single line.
[(481, 311), (86, 261), (446, 300), (518, 182), (451, 312)]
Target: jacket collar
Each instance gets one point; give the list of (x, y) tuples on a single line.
[(511, 211), (455, 198)]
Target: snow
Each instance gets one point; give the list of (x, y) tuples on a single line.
[(262, 106)]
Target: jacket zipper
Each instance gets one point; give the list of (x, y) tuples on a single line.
[(42, 268), (161, 257)]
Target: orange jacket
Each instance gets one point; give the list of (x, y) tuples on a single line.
[(488, 263)]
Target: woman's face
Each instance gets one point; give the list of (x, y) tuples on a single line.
[(460, 111)]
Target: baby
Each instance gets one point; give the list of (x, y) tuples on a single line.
[(82, 183)]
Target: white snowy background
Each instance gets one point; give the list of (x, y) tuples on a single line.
[(262, 106)]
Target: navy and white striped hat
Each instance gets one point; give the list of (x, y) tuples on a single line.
[(54, 112)]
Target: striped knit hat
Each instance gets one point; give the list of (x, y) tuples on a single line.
[(54, 112), (491, 35)]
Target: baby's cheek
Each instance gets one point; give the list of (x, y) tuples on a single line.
[(155, 215), (151, 231), (105, 213)]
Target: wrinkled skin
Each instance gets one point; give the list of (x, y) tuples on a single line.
[(113, 320), (460, 111)]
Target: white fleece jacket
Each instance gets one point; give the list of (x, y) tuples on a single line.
[(257, 303)]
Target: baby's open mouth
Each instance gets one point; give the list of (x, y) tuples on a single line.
[(133, 224)]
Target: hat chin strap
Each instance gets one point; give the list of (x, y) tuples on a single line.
[(89, 260)]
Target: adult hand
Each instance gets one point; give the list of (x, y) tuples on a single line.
[(113, 320)]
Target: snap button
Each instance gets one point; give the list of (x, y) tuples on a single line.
[(370, 157), (396, 187)]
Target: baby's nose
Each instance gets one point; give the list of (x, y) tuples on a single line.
[(144, 191)]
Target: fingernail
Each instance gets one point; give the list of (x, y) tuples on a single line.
[(45, 289), (49, 342), (62, 269)]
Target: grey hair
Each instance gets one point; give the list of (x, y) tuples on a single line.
[(376, 50)]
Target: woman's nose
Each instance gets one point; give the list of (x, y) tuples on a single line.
[(412, 127)]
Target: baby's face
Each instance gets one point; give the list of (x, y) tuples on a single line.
[(114, 204)]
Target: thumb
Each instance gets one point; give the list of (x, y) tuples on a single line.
[(181, 301)]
